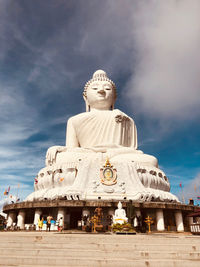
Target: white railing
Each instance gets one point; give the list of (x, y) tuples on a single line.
[(195, 228)]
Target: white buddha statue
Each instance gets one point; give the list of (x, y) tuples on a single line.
[(99, 134), (100, 129), (120, 215)]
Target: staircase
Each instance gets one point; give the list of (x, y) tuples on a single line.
[(28, 249)]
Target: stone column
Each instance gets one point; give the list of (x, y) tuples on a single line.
[(160, 220), (111, 211), (138, 212), (85, 212), (61, 214), (179, 221), (11, 218), (38, 213), (190, 220), (21, 219)]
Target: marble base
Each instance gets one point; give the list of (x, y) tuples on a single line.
[(82, 181)]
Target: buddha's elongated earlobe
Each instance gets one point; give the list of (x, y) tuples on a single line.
[(87, 106)]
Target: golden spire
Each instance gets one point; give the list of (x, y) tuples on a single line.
[(107, 164)]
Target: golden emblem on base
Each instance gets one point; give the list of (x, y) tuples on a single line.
[(108, 174)]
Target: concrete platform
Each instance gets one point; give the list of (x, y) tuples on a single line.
[(67, 249), (101, 203)]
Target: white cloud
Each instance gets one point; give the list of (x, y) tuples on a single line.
[(165, 80), (192, 189), (157, 42), (7, 200), (25, 162), (18, 189)]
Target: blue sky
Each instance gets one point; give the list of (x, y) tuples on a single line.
[(49, 49)]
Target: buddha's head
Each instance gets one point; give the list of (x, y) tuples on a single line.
[(119, 205), (100, 92)]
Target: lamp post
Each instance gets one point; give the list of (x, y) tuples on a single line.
[(149, 221)]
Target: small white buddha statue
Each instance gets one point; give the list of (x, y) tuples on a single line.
[(120, 215)]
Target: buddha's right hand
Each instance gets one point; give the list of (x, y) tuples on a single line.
[(52, 152)]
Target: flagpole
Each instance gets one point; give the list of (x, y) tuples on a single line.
[(183, 199), (17, 190)]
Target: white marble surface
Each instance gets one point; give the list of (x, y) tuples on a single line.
[(100, 133)]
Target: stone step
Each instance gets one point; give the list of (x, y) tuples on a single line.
[(136, 263), (91, 262), (40, 249), (90, 253), (102, 246), (107, 245), (81, 238)]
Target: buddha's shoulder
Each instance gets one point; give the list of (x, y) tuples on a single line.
[(107, 113), (79, 116), (121, 113)]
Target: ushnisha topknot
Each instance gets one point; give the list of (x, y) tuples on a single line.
[(100, 75)]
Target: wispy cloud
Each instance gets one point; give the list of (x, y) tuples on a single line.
[(192, 189), (165, 79)]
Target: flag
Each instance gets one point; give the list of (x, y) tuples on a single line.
[(180, 185), (6, 192)]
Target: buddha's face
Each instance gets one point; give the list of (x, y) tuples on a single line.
[(100, 95), (119, 205)]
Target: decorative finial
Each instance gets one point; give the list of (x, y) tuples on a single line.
[(107, 163), (100, 75)]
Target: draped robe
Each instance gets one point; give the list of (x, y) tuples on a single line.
[(101, 129)]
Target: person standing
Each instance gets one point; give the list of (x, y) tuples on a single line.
[(5, 225), (60, 226), (49, 218), (40, 224), (57, 224)]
